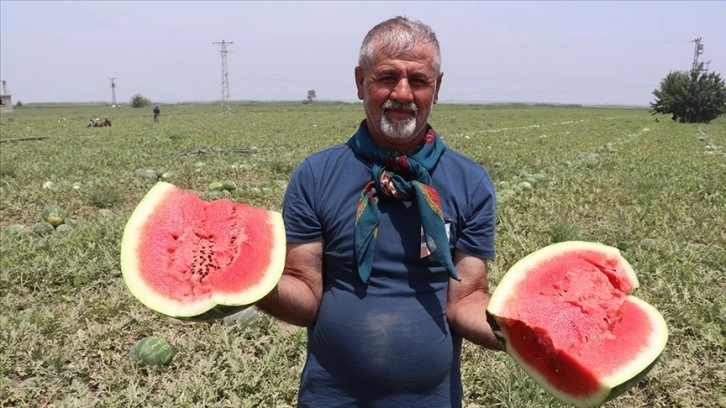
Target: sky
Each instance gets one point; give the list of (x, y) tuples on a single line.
[(570, 52)]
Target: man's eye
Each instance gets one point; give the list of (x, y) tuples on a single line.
[(418, 81)]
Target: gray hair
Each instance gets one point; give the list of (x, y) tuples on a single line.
[(398, 34)]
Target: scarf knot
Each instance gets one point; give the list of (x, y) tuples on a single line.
[(399, 176)]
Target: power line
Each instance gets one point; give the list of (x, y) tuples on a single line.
[(548, 91), (225, 74), (698, 50), (113, 91)]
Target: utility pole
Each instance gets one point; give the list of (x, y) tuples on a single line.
[(113, 92), (697, 51), (225, 75)]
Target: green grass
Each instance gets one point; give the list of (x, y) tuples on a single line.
[(657, 191)]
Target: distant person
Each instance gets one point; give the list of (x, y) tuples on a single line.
[(388, 238), (157, 111)]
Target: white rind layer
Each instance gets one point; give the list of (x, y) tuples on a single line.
[(652, 347), (518, 272), (130, 267)]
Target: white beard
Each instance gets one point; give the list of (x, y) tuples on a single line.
[(398, 129)]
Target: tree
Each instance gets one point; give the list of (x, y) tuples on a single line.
[(311, 96), (691, 97), (140, 101), (18, 104)]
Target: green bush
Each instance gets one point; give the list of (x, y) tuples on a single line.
[(140, 101), (691, 97)]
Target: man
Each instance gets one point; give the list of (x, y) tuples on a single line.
[(156, 111), (388, 240)]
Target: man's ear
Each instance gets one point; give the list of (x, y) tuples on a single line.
[(359, 79), (438, 86)]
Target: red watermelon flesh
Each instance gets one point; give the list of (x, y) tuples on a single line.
[(565, 315), (183, 256)]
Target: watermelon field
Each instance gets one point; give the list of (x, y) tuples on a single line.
[(655, 190)]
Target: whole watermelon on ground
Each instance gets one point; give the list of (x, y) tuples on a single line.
[(42, 228), (152, 350), (17, 229), (215, 186), (198, 260), (565, 314), (53, 215), (244, 318), (229, 185)]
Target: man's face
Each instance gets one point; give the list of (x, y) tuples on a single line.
[(398, 92)]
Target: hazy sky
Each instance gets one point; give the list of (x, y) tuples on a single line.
[(563, 52)]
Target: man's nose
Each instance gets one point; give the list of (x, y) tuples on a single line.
[(402, 92)]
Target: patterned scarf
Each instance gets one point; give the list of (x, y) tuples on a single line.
[(399, 177)]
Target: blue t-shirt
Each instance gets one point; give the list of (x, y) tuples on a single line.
[(385, 343)]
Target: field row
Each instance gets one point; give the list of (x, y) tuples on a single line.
[(655, 190)]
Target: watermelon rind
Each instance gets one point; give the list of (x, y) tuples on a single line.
[(130, 266), (611, 385), (216, 313), (518, 272), (244, 318), (152, 351), (215, 186), (53, 215), (17, 229), (229, 185), (653, 347), (42, 228)]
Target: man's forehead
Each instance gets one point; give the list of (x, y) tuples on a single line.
[(423, 55)]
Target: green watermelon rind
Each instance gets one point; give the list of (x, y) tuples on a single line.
[(53, 215), (518, 272), (130, 241), (628, 375), (218, 312), (612, 385), (244, 318), (152, 350), (42, 228)]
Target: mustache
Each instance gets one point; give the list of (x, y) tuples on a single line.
[(390, 104)]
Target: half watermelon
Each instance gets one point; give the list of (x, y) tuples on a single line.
[(565, 315), (199, 260)]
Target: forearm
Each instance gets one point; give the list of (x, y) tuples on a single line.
[(296, 298), (468, 319), (292, 301)]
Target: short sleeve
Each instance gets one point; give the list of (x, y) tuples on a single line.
[(477, 233), (298, 209)]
